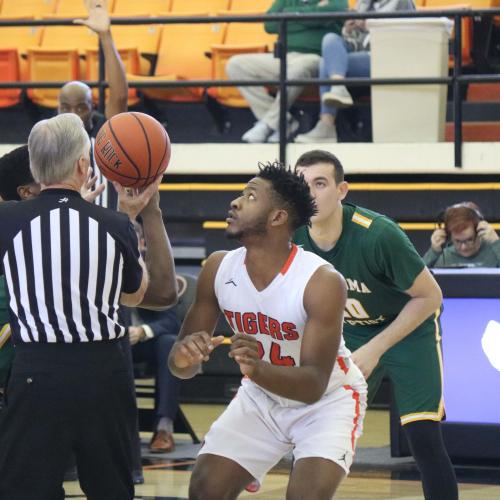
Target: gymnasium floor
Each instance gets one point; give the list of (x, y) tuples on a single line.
[(168, 479)]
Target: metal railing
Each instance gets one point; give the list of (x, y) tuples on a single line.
[(457, 79)]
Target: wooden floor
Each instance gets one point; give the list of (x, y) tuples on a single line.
[(172, 483)]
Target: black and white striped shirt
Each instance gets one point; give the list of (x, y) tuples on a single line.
[(66, 262)]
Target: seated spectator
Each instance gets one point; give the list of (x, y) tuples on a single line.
[(465, 240), (304, 46), (345, 56)]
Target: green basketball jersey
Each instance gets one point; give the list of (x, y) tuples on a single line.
[(378, 262)]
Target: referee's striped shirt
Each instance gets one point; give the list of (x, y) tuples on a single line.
[(66, 262)]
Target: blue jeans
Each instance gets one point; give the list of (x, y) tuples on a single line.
[(338, 60)]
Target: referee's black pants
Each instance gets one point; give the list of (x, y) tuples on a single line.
[(64, 398)]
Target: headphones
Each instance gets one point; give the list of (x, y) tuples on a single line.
[(466, 210)]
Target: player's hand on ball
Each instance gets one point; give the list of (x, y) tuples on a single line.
[(131, 201), (88, 193), (245, 351), (195, 348), (98, 19)]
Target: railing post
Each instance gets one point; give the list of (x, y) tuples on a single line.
[(281, 49), (101, 78), (457, 98)]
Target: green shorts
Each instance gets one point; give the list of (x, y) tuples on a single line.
[(415, 367)]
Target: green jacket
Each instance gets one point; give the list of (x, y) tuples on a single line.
[(488, 256), (306, 36)]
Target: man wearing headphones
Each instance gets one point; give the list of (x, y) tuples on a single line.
[(464, 239)]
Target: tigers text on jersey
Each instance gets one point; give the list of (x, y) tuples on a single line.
[(275, 315)]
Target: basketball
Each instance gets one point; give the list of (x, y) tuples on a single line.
[(132, 149)]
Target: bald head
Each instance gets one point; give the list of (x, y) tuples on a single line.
[(76, 97)]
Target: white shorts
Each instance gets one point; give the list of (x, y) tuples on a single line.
[(256, 432)]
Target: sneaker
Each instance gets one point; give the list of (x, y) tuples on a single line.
[(322, 132), (338, 96), (258, 133), (292, 127)]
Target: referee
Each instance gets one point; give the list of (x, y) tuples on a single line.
[(68, 265)]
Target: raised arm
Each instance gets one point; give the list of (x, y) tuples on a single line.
[(306, 383), (98, 21), (195, 341)]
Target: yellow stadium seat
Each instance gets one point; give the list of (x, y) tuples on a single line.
[(246, 6), (140, 8), (37, 8), (21, 38), (130, 59), (71, 8), (182, 56), (9, 72), (146, 37), (240, 38), (73, 37), (51, 65), (180, 7)]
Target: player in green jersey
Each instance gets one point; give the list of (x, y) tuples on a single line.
[(391, 319)]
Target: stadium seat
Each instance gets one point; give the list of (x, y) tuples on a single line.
[(146, 37), (9, 72), (130, 59), (245, 6), (466, 27), (21, 38), (140, 8), (18, 8), (51, 65), (180, 7), (71, 8), (240, 38), (183, 60)]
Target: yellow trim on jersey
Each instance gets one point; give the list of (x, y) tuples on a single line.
[(4, 334), (213, 224), (429, 415), (357, 218)]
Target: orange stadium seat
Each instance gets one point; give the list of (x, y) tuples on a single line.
[(51, 65), (240, 38), (140, 8), (130, 59), (18, 8), (250, 6), (182, 56), (146, 37), (180, 7), (71, 8), (9, 72), (21, 38), (467, 27)]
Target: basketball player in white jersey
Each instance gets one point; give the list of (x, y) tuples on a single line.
[(300, 390)]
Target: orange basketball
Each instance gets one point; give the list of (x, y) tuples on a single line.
[(132, 149)]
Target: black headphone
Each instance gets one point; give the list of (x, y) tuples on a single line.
[(468, 206)]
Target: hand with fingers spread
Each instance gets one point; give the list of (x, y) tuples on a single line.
[(88, 193), (245, 351), (132, 202), (194, 348), (98, 19)]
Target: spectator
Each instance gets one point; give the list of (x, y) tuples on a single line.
[(304, 46), (345, 56), (464, 240)]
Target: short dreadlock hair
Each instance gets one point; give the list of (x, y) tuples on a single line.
[(291, 191), (14, 172)]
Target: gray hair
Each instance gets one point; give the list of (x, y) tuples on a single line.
[(54, 147)]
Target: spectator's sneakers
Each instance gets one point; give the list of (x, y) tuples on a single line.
[(257, 134), (292, 127), (322, 132), (162, 442), (253, 487), (338, 97)]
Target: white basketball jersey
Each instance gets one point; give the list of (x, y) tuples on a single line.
[(276, 315)]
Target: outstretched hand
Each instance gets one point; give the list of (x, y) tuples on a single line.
[(245, 351), (98, 19), (88, 193), (132, 201)]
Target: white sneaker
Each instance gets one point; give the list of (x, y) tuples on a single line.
[(338, 96), (292, 127), (258, 133), (322, 132)]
